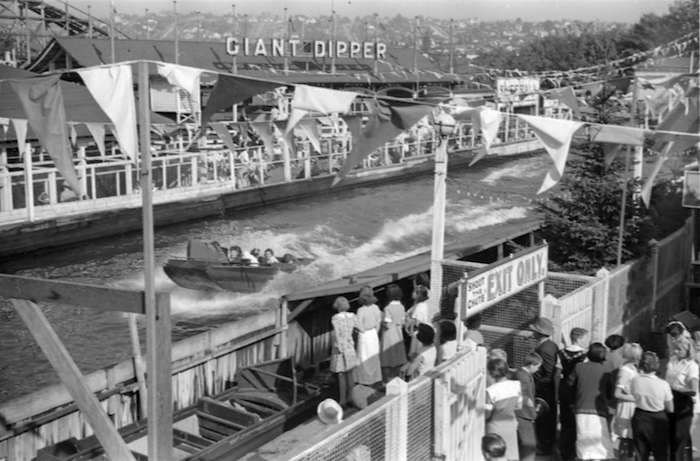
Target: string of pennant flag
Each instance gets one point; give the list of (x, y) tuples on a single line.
[(112, 88), (673, 48)]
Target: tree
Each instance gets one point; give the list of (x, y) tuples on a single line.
[(582, 216)]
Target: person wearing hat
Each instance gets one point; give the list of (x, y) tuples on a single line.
[(330, 412), (546, 384), (369, 320)]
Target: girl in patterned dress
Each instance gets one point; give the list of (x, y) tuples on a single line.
[(343, 356)]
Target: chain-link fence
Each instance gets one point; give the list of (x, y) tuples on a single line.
[(417, 423)]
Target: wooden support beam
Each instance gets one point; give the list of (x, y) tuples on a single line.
[(72, 293), (159, 396), (158, 339), (68, 371)]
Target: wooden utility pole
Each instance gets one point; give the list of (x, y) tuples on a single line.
[(286, 40), (112, 49), (234, 68), (176, 33), (452, 47), (331, 51), (158, 340), (438, 240)]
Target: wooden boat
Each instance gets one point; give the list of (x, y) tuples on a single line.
[(206, 268), (265, 400)]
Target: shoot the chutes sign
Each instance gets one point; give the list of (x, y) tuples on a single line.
[(502, 279)]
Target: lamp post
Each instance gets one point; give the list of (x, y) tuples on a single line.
[(445, 125)]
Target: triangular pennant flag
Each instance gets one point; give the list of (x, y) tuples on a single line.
[(308, 129), (567, 97), (316, 99), (73, 134), (222, 132), (97, 130), (295, 117), (487, 121), (183, 77), (683, 118), (42, 101), (556, 136), (385, 123), (264, 131), (322, 100), (20, 127), (615, 134), (112, 88), (287, 137), (230, 90)]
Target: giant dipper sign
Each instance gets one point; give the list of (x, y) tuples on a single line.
[(293, 47)]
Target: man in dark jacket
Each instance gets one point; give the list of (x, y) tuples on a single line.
[(546, 384), (527, 442)]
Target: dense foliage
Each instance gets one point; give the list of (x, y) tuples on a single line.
[(597, 47), (582, 215)]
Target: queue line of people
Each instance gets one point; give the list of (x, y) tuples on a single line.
[(611, 401), (373, 345)]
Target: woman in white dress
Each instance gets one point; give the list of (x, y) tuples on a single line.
[(419, 313), (369, 320)]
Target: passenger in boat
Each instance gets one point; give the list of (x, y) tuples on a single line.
[(369, 319), (235, 254), (247, 257), (269, 257), (417, 315), (288, 258), (343, 356), (393, 355), (424, 361), (255, 253)]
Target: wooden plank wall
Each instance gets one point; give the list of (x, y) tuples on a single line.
[(203, 372)]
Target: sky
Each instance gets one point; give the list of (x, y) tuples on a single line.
[(488, 10)]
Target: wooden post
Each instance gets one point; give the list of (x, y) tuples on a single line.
[(160, 409), (5, 183), (53, 195), (600, 310), (139, 368), (551, 309), (307, 159), (75, 383), (655, 279), (438, 240), (396, 446), (623, 207), (28, 183)]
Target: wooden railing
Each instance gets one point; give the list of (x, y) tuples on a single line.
[(111, 182)]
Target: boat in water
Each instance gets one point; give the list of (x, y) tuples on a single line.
[(207, 268)]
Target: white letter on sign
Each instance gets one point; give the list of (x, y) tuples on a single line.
[(319, 49), (232, 46), (355, 49), (381, 50)]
